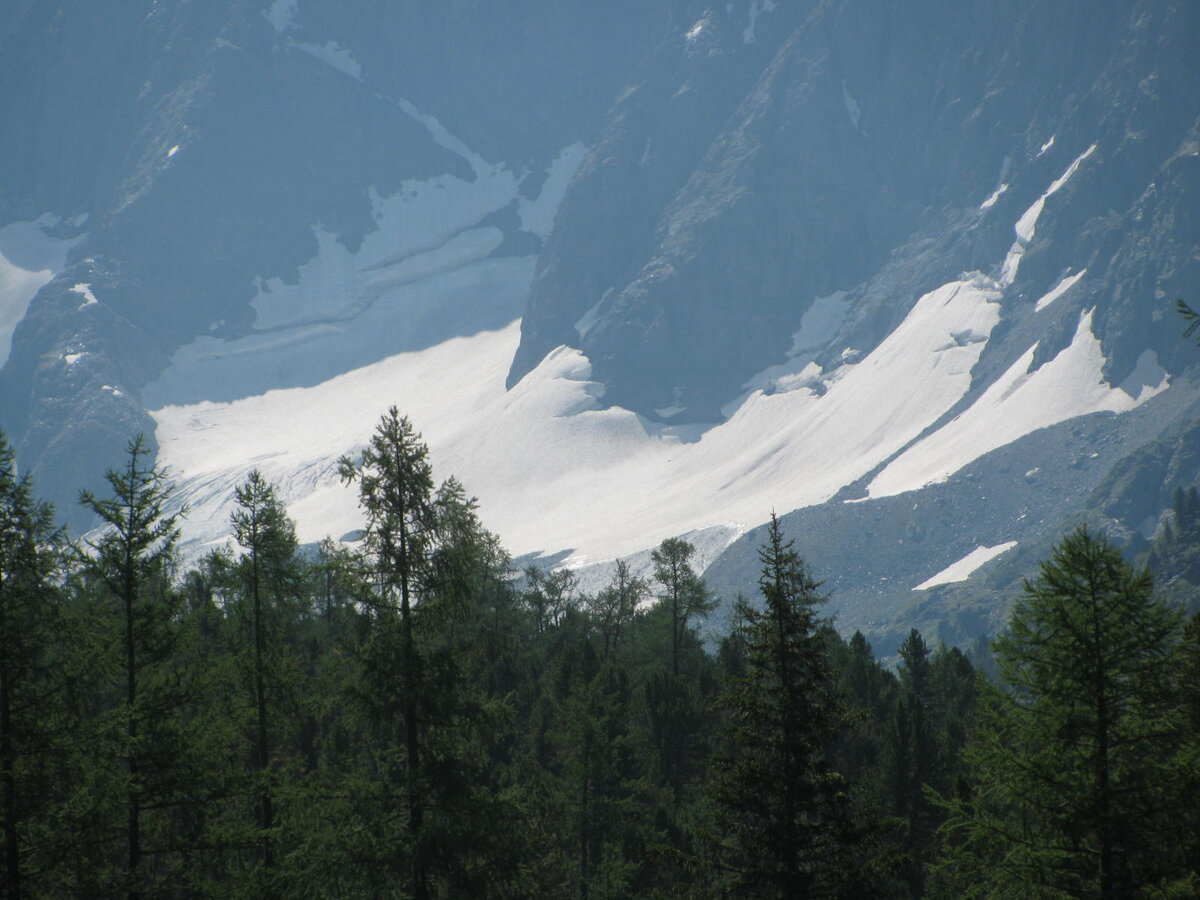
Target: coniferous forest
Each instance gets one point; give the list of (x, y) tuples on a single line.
[(414, 719)]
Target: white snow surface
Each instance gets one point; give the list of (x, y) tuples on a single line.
[(993, 197), (1065, 284), (551, 468), (965, 567), (29, 259), (1026, 226), (1018, 403), (85, 291)]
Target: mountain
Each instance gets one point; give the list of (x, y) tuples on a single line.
[(635, 269)]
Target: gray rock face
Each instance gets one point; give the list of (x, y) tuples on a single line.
[(863, 142), (206, 141), (745, 160)]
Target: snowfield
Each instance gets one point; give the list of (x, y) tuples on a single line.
[(557, 473), (553, 469)]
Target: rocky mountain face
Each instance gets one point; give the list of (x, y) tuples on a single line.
[(189, 149), (906, 268), (850, 147)]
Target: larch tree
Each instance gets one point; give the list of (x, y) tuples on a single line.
[(395, 489), (1075, 785), (131, 561), (267, 576)]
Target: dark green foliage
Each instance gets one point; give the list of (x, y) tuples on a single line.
[(784, 821), (404, 720), (1189, 315), (1074, 780), (143, 732), (35, 677)]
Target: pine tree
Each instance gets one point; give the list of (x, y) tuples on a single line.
[(1075, 791), (785, 821)]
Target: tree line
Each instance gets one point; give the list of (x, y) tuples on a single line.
[(413, 719)]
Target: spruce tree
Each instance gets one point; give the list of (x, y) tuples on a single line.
[(1075, 789), (785, 824)]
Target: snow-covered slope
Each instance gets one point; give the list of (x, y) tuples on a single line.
[(636, 269), (555, 470)]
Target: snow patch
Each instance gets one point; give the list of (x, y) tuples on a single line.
[(442, 136), (693, 34), (1026, 226), (818, 326), (965, 567), (1018, 403), (172, 151), (85, 291), (1064, 285), (71, 358), (335, 55), (421, 271), (993, 197), (537, 216), (29, 259), (1046, 146), (589, 318), (280, 14)]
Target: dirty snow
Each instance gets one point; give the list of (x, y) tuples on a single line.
[(424, 271), (965, 567)]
